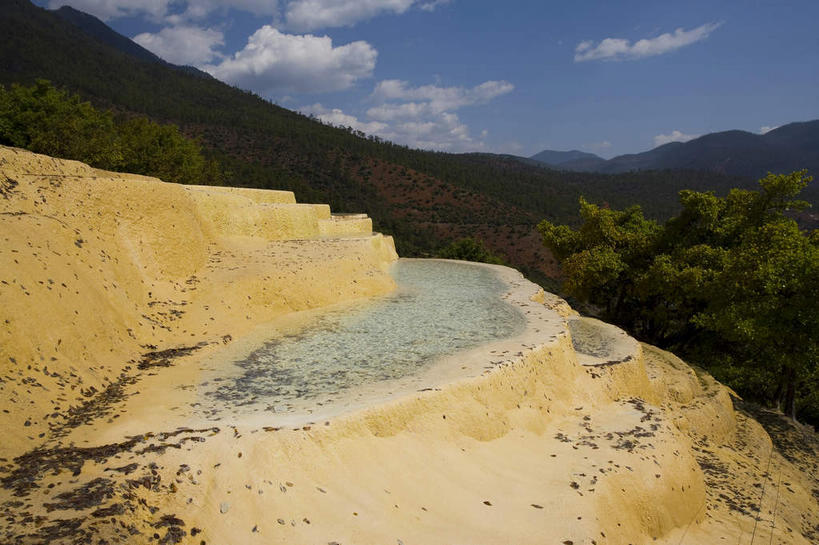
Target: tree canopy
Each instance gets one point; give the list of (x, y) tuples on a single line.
[(47, 120), (730, 282)]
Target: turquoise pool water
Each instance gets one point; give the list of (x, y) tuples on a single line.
[(439, 308)]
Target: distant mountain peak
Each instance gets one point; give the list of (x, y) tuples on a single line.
[(556, 158), (736, 152)]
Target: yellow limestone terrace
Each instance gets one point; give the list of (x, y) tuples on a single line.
[(570, 433), (99, 268)]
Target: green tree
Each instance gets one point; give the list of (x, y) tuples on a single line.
[(764, 303), (602, 258), (731, 280), (161, 151), (469, 249), (47, 120)]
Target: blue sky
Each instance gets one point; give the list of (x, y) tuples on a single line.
[(508, 77)]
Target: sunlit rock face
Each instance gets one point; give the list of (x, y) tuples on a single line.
[(100, 271)]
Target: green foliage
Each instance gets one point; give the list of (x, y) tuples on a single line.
[(764, 303), (730, 280), (47, 120), (601, 257), (161, 150), (469, 249)]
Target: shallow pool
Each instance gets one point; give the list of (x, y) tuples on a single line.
[(439, 308)]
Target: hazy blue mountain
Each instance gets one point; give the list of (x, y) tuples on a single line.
[(739, 153), (556, 158)]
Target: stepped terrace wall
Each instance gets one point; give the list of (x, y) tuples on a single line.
[(98, 269)]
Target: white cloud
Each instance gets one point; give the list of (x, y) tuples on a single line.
[(183, 44), (338, 118), (674, 136), (431, 99), (431, 6), (420, 117), (620, 49), (277, 63), (194, 10), (424, 116), (443, 133), (391, 112), (303, 15), (298, 15), (768, 128), (112, 9)]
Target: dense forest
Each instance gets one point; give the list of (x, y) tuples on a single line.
[(730, 283)]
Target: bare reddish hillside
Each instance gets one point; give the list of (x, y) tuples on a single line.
[(449, 212)]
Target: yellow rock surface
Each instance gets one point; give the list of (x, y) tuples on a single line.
[(345, 225), (570, 433), (96, 266)]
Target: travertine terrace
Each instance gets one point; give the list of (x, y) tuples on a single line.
[(116, 290)]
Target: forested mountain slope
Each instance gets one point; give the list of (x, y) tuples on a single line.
[(426, 199)]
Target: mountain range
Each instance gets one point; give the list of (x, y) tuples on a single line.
[(424, 199), (787, 148), (557, 158)]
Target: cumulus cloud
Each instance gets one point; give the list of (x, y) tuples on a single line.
[(430, 99), (674, 136), (304, 15), (619, 49), (419, 117), (183, 44), (276, 63), (443, 133), (767, 128), (338, 118)]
